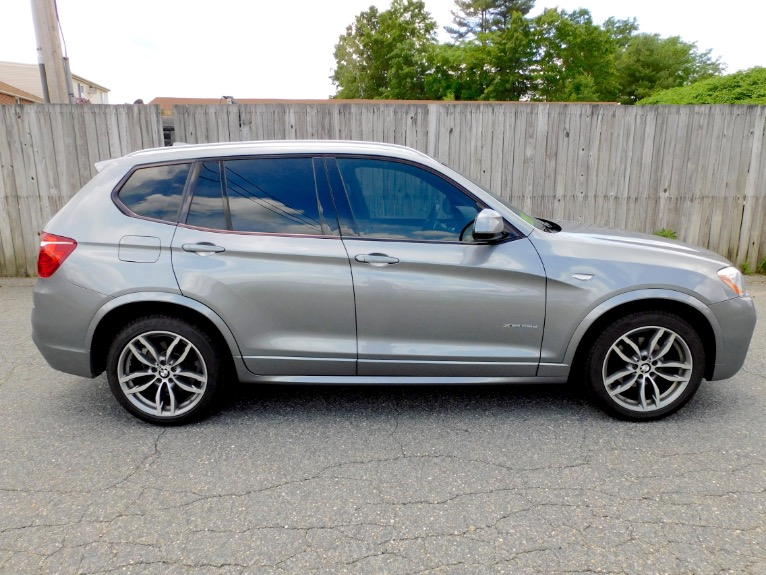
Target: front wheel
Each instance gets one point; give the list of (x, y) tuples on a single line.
[(163, 370), (646, 365)]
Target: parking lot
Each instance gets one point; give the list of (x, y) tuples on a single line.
[(517, 479)]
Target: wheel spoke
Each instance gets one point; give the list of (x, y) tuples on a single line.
[(139, 356), (191, 375), (150, 347), (172, 398), (183, 355), (619, 352), (134, 375), (655, 392), (618, 375), (171, 347), (673, 365), (140, 388), (655, 340), (186, 387), (158, 400), (666, 347), (642, 394), (671, 377), (624, 386)]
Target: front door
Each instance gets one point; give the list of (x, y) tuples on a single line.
[(431, 301)]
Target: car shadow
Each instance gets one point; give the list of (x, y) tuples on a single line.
[(254, 400)]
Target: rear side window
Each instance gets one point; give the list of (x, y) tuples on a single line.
[(275, 195), (266, 195), (156, 191)]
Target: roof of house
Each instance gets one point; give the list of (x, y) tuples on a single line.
[(26, 77), (18, 93)]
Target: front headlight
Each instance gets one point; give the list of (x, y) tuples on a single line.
[(732, 277)]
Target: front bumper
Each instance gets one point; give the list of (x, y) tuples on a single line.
[(736, 318)]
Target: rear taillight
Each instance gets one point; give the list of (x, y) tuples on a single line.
[(53, 251)]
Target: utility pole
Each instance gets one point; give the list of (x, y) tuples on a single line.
[(49, 54)]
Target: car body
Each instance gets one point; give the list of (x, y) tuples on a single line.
[(176, 269)]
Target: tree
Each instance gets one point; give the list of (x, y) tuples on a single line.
[(575, 58), (744, 87), (386, 54), (504, 10), (650, 64), (475, 17), (510, 54)]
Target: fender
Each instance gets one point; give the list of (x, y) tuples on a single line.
[(163, 297), (631, 296)]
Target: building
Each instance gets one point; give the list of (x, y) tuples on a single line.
[(12, 95), (26, 79)]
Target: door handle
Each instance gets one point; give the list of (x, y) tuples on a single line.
[(203, 248), (376, 259)]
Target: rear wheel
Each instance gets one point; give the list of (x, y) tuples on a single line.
[(163, 370), (646, 366)]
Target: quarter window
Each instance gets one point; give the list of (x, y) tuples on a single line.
[(155, 191), (394, 200)]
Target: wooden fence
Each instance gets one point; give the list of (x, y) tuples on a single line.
[(697, 170), (47, 153)]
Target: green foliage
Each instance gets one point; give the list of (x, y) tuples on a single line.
[(746, 269), (386, 54), (762, 266), (746, 87), (475, 17), (499, 53), (649, 64), (575, 58), (665, 233)]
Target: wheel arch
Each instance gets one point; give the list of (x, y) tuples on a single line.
[(118, 312), (690, 309)]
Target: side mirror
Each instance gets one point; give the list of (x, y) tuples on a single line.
[(489, 225)]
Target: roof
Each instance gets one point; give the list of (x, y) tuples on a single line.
[(194, 151), (18, 93), (26, 77)]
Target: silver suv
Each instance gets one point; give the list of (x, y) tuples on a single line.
[(178, 270)]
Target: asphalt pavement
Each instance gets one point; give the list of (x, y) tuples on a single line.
[(304, 480)]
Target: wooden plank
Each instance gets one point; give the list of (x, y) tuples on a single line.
[(646, 196), (45, 160), (753, 191), (13, 249), (27, 189)]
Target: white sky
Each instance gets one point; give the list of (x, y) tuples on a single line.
[(267, 49)]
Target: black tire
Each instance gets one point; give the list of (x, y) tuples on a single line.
[(649, 379), (183, 383)]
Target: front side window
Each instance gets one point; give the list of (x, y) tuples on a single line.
[(155, 191), (394, 200)]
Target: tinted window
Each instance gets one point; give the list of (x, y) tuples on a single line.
[(275, 195), (155, 192), (392, 200), (207, 208)]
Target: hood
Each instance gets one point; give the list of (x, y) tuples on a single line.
[(613, 237)]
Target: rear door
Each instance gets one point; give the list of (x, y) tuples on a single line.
[(258, 247), (431, 301)]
